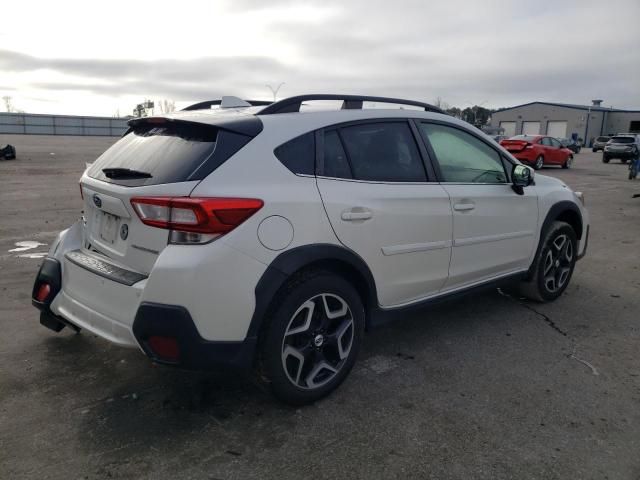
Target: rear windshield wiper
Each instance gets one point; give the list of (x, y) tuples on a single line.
[(124, 173)]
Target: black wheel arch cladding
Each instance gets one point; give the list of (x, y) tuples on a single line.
[(564, 211), (287, 264)]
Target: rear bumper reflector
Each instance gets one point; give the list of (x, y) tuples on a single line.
[(168, 335)]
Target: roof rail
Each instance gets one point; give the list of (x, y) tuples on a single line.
[(210, 103), (349, 102)]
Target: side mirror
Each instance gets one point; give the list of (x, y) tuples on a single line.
[(521, 176)]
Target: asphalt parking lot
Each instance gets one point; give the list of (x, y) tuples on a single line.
[(486, 388)]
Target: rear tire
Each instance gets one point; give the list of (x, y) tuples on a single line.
[(537, 165), (312, 339), (553, 265)]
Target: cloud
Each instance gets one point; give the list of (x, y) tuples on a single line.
[(498, 52)]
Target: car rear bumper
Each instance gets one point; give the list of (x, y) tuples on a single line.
[(627, 155), (526, 156), (169, 322), (83, 299), (203, 296), (173, 323)]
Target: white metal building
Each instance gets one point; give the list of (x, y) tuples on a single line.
[(566, 120)]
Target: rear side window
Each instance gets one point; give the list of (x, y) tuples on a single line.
[(623, 140), (384, 151), (176, 152), (298, 155)]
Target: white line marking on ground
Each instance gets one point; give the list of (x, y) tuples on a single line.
[(26, 245)]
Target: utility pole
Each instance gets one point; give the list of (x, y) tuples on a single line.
[(275, 90)]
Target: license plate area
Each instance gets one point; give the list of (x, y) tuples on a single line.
[(108, 227)]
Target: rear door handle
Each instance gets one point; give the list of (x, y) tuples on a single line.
[(356, 213), (464, 206)]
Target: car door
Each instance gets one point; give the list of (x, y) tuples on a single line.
[(493, 226), (382, 205), (558, 154), (547, 150)]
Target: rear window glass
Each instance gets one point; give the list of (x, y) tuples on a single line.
[(298, 155), (602, 139), (169, 153), (622, 140)]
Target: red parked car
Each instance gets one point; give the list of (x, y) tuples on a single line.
[(538, 150)]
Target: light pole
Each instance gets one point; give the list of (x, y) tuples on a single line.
[(275, 90)]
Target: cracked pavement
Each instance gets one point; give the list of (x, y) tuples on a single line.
[(486, 388)]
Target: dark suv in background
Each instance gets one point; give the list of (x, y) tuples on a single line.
[(571, 144), (599, 143), (624, 147)]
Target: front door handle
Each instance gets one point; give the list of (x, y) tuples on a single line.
[(464, 206), (356, 213)]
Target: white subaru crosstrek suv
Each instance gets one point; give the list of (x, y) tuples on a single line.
[(258, 235)]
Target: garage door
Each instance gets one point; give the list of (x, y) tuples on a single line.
[(509, 128), (557, 129), (531, 128)]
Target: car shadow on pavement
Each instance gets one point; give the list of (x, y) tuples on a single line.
[(116, 399)]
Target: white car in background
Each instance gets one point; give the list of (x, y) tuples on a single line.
[(253, 235)]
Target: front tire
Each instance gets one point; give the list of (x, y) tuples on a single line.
[(553, 265), (567, 163), (537, 165), (605, 159), (313, 338)]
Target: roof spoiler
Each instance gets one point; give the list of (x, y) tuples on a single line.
[(349, 102), (248, 125)]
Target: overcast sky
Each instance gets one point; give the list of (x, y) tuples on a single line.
[(103, 57)]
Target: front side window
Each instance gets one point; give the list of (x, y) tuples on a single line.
[(462, 157), (382, 151), (555, 143)]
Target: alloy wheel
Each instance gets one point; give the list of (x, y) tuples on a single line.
[(539, 162), (317, 341), (558, 263)]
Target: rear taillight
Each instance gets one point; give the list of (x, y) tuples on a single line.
[(194, 220)]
